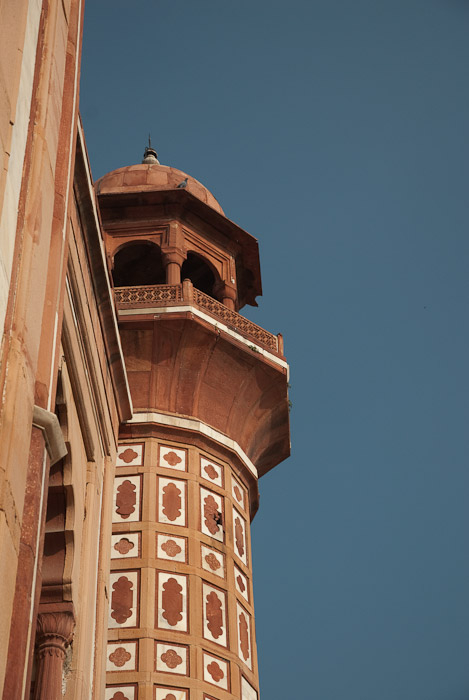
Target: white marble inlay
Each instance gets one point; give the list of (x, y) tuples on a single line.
[(162, 693), (209, 501), (119, 485), (216, 671), (241, 583), (128, 691), (167, 496), (213, 561), (125, 545), (129, 455), (239, 534), (243, 626), (214, 607), (130, 591), (247, 691), (237, 492), (172, 458), (167, 547), (171, 658), (121, 656), (168, 591), (211, 471)]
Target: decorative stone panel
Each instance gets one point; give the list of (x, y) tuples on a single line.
[(212, 560), (123, 606), (172, 458), (121, 692), (171, 501), (130, 455), (171, 602), (247, 691), (239, 536), (127, 499), (241, 583), (238, 493), (214, 614), (171, 547), (211, 514), (216, 671), (121, 656), (125, 545), (162, 693), (172, 658), (243, 626), (211, 471)]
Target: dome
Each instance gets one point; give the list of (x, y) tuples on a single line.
[(148, 177)]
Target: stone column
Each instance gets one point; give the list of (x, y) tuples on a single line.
[(55, 625), (227, 294), (173, 260)]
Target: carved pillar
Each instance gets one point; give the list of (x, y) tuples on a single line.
[(173, 260), (55, 625)]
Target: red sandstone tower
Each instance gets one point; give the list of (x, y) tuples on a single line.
[(209, 390)]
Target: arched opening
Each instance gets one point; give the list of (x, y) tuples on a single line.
[(200, 274), (138, 264)]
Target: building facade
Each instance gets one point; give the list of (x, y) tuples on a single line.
[(138, 406)]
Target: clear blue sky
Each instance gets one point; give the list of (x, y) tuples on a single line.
[(337, 133)]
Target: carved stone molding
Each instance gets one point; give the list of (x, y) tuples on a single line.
[(54, 634)]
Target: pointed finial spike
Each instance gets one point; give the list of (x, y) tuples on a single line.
[(150, 157)]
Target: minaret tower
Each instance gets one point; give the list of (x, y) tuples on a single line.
[(209, 390)]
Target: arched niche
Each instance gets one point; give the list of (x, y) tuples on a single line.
[(137, 264), (200, 273)]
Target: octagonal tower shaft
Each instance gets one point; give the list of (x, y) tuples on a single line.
[(209, 390)]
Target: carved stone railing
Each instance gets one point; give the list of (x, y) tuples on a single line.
[(161, 295)]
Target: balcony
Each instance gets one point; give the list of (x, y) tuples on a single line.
[(185, 294)]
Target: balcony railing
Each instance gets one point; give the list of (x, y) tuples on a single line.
[(163, 295)]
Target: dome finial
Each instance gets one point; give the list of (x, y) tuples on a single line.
[(150, 157)]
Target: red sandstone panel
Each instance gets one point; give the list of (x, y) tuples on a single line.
[(125, 545), (241, 583), (171, 457), (127, 499), (212, 560), (171, 501), (239, 530), (121, 692)]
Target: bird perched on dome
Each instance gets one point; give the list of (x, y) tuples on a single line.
[(182, 184)]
